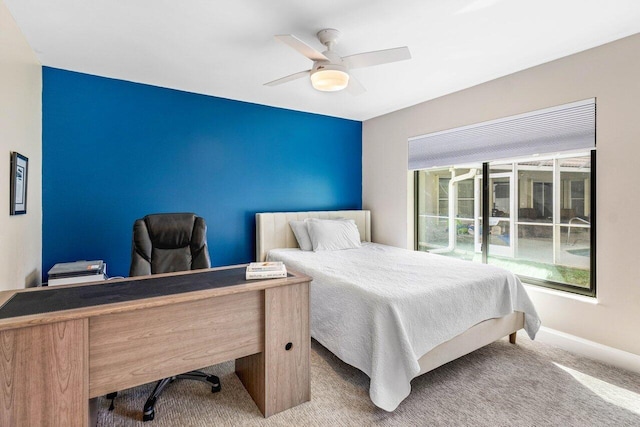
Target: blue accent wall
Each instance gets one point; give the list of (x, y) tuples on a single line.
[(114, 151)]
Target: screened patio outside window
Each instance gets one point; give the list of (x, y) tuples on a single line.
[(540, 217)]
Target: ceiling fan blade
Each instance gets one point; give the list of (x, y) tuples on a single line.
[(377, 57), (355, 87), (288, 78), (301, 47)]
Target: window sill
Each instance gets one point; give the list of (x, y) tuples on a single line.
[(563, 294)]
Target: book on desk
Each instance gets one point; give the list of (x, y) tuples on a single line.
[(266, 270)]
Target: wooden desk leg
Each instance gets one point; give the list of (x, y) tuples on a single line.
[(44, 373), (279, 378), (250, 370), (93, 412)]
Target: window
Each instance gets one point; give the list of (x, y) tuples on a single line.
[(540, 217), (464, 197), (533, 214), (577, 196), (542, 199), (446, 189), (443, 196)]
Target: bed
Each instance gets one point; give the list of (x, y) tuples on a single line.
[(393, 313)]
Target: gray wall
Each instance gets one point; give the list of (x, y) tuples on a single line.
[(609, 73)]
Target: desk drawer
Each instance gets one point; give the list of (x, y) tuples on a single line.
[(131, 348)]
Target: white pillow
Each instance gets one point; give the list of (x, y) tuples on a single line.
[(299, 229), (333, 234)]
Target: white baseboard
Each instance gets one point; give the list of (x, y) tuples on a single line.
[(590, 349)]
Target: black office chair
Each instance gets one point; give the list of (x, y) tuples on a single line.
[(164, 243)]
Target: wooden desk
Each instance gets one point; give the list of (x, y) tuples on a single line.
[(52, 363)]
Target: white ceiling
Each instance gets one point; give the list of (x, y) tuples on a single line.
[(226, 48)]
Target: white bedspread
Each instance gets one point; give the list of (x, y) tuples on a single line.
[(381, 308)]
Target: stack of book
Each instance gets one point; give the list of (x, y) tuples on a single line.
[(266, 270)]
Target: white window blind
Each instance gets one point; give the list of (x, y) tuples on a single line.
[(552, 130)]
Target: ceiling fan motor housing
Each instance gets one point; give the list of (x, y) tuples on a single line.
[(328, 77)]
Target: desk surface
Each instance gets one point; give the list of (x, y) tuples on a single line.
[(56, 299), (18, 308)]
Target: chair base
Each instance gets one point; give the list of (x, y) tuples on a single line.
[(148, 413)]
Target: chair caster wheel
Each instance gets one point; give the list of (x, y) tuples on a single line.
[(216, 386), (149, 411), (148, 416)]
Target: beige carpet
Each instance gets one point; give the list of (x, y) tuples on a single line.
[(529, 384)]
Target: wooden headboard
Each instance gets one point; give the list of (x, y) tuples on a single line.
[(273, 230)]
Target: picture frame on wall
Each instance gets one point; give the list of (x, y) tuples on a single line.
[(18, 182)]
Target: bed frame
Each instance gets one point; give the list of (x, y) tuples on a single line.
[(273, 231)]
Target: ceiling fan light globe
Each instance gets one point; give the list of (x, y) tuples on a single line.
[(329, 80)]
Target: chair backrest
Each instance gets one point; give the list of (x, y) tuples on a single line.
[(163, 243), (567, 214)]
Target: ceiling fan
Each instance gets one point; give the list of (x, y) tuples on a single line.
[(330, 72)]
